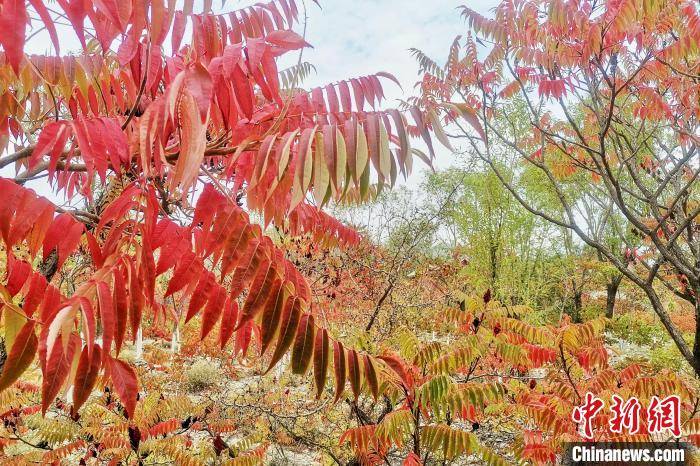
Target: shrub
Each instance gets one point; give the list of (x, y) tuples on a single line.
[(201, 375)]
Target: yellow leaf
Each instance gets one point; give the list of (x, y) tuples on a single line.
[(321, 175), (361, 155), (304, 167), (341, 156), (13, 319), (437, 129), (284, 153), (384, 153)]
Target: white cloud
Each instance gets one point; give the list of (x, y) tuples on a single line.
[(354, 38)]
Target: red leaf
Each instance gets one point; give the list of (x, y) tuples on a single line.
[(412, 460), (125, 383), (345, 100), (178, 30), (48, 22), (12, 193), (420, 124), (86, 375), (136, 301), (236, 245), (13, 23), (19, 272), (185, 273), (75, 10), (333, 104), (288, 40), (270, 320), (243, 91), (339, 368), (199, 83), (128, 48), (390, 76), (30, 209), (395, 363), (207, 205), (469, 114), (117, 11), (56, 369), (320, 360), (271, 74), (33, 298), (193, 140), (228, 321), (63, 234), (200, 295), (354, 372), (121, 309), (358, 94), (119, 207), (107, 315), (160, 21), (243, 338), (213, 309)]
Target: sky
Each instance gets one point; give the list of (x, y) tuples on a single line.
[(360, 37), (354, 38)]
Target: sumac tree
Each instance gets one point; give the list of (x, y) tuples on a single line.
[(610, 96), (163, 133), (488, 369)]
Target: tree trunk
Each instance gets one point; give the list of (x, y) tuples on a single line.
[(139, 345), (696, 345), (493, 258), (578, 305), (691, 356), (175, 342), (49, 266), (416, 432), (612, 287)]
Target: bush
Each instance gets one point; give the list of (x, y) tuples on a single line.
[(201, 375), (640, 328), (666, 356)]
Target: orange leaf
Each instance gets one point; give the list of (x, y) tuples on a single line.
[(265, 283), (271, 316), (288, 327), (354, 372), (371, 376), (303, 344)]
